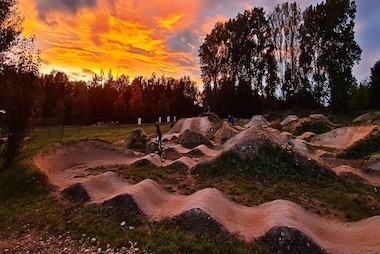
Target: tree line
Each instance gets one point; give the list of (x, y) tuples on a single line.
[(109, 98), (286, 59)]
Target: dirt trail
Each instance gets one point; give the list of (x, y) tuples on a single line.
[(248, 223), (69, 164), (66, 165)]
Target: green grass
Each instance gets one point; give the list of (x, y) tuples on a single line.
[(48, 135)]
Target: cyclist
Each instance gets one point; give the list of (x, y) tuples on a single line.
[(159, 135)]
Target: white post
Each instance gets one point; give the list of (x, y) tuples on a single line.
[(168, 119), (139, 121)]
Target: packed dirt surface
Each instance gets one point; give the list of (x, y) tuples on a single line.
[(75, 168), (344, 137)]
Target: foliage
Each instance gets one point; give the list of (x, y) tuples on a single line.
[(20, 93), (375, 86), (116, 99), (360, 99), (257, 62)]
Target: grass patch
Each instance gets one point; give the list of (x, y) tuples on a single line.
[(42, 137)]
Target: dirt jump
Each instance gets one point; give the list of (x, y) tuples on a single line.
[(83, 172)]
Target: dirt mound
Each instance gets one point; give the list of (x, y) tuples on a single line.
[(373, 164), (345, 137), (247, 143), (183, 164), (289, 240), (76, 193), (225, 132), (357, 175), (214, 118), (287, 120), (257, 120), (200, 223), (200, 124), (124, 202), (190, 139), (321, 117), (317, 123), (137, 140), (368, 118), (203, 150)]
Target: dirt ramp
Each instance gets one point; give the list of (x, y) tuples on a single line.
[(357, 174), (71, 163), (191, 139), (200, 223), (199, 124), (368, 118), (289, 240), (225, 132), (246, 143), (373, 164), (287, 120), (317, 123), (274, 221), (345, 137), (184, 163), (203, 150), (257, 120)]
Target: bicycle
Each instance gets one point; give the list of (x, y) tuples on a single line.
[(156, 147)]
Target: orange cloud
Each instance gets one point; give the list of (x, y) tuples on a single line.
[(127, 37), (168, 22)]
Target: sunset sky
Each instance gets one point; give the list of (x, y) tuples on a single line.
[(139, 37)]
